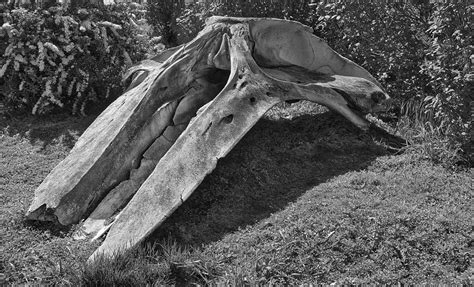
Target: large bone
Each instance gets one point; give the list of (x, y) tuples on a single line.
[(185, 109)]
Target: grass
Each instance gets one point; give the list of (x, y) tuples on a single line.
[(303, 198), (33, 252), (398, 221)]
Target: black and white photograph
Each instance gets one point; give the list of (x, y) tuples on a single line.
[(236, 142)]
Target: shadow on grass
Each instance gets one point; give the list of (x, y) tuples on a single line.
[(273, 165), (48, 130)]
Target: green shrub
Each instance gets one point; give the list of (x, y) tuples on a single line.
[(449, 66), (55, 58)]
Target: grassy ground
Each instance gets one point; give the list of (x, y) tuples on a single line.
[(303, 198), (33, 252)]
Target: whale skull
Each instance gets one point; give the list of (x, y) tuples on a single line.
[(184, 109)]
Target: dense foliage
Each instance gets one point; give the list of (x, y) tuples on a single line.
[(192, 19), (449, 66), (162, 15), (59, 58)]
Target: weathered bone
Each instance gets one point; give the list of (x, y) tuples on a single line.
[(184, 110)]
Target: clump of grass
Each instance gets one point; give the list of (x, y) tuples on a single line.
[(135, 268), (158, 264), (435, 143)]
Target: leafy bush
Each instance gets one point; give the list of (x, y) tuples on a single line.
[(55, 58), (296, 10), (449, 66)]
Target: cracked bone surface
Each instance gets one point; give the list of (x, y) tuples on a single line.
[(184, 110)]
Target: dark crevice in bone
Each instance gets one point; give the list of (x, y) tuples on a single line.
[(215, 76), (228, 119), (157, 149), (208, 127)]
